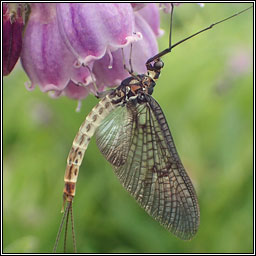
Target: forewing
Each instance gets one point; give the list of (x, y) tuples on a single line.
[(112, 136), (150, 168)]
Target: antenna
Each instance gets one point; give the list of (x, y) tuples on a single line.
[(167, 50)]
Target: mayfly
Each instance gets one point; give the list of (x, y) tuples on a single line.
[(133, 135)]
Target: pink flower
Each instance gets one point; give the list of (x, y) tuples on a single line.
[(67, 46), (74, 49)]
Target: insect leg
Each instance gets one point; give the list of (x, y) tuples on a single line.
[(130, 60), (130, 63)]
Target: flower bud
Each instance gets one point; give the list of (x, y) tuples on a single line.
[(14, 15)]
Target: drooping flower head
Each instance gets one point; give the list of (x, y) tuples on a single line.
[(74, 49), (68, 47)]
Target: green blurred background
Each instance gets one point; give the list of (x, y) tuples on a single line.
[(206, 93)]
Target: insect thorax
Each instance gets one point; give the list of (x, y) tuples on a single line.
[(136, 86)]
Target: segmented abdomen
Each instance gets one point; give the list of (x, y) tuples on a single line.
[(81, 141)]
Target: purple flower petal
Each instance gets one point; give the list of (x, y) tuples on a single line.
[(109, 77), (142, 50), (89, 29), (45, 57), (74, 91), (12, 36), (82, 75), (60, 37), (150, 13), (138, 6)]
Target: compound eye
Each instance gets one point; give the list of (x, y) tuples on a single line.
[(158, 65)]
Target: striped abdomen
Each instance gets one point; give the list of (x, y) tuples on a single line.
[(81, 141)]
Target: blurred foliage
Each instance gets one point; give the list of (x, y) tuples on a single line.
[(209, 107)]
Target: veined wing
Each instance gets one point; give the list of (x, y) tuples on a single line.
[(113, 136), (151, 171)]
